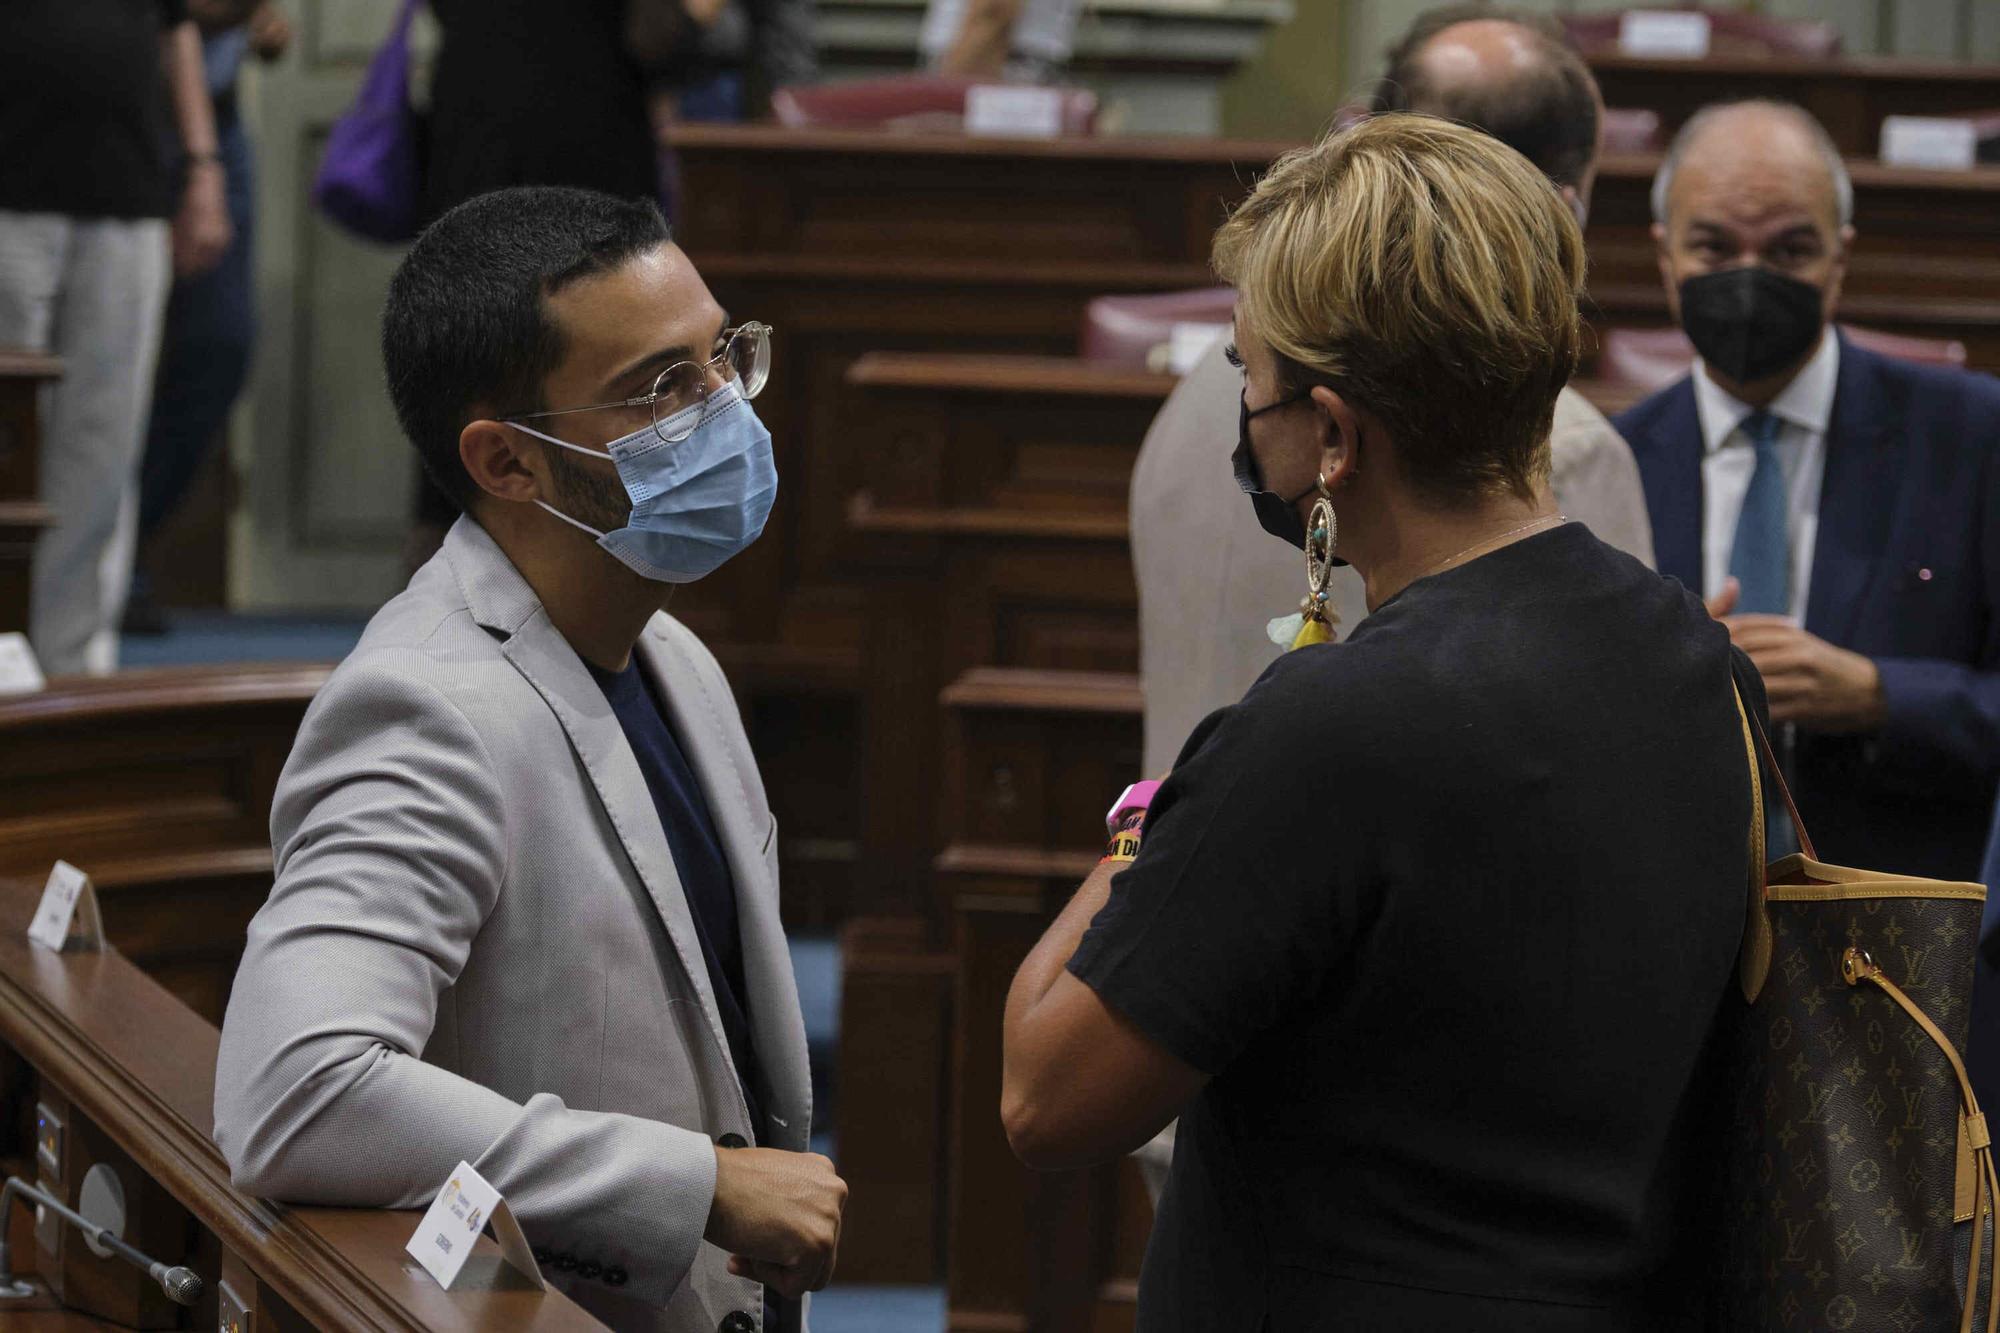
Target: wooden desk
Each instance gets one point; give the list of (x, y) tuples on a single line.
[(158, 785), (23, 516), (134, 1071), (848, 243), (1030, 754), (1849, 95)]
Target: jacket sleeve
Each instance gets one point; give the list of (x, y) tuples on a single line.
[(1596, 478), (392, 847), (1949, 711)]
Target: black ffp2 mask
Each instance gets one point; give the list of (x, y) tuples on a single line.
[(1275, 514), (1750, 322)]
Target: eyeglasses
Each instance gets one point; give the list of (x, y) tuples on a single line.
[(745, 361)]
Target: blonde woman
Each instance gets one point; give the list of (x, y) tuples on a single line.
[(1426, 939)]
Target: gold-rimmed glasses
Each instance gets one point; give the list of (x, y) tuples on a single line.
[(744, 361)]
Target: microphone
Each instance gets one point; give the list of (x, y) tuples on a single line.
[(183, 1286)]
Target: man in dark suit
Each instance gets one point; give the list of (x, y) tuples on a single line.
[(1839, 509)]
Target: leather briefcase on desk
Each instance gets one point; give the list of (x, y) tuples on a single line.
[(1860, 1184)]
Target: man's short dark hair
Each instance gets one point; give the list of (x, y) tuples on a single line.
[(1547, 113), (465, 330)]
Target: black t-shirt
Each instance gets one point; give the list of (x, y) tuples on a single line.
[(536, 92), (1449, 911), (698, 859), (704, 872), (86, 127)]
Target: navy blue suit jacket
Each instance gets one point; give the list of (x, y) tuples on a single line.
[(1906, 570)]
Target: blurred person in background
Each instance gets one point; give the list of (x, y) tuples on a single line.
[(1027, 41), (92, 95), (211, 315)]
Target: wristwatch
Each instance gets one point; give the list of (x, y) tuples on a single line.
[(1135, 798)]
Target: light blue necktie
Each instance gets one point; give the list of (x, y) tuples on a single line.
[(1761, 558)]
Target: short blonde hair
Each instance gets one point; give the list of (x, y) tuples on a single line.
[(1432, 275)]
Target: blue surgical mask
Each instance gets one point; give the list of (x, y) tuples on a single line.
[(695, 503)]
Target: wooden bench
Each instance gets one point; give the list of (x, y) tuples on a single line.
[(1030, 755), (102, 1066), (23, 516), (158, 785)]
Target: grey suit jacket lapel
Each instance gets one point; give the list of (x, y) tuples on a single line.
[(500, 599), (698, 721)]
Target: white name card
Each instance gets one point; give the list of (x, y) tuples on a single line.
[(1006, 110), (67, 900), (451, 1227), (1674, 33), (20, 673), (1188, 342), (1930, 141)]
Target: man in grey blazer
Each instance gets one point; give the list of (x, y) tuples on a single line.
[(1209, 577), (526, 908)]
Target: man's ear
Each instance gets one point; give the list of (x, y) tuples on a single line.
[(504, 462), (1836, 276), (1340, 436), (1667, 271)]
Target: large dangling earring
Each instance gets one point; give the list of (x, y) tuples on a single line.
[(1316, 612)]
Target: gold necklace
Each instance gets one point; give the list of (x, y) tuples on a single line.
[(1550, 519)]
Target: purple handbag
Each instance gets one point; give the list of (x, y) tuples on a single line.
[(369, 177)]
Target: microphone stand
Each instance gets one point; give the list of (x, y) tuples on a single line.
[(182, 1285)]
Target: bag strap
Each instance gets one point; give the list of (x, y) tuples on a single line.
[(1753, 963), (1756, 728), (1856, 967)]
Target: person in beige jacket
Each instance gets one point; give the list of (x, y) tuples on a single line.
[(1209, 578)]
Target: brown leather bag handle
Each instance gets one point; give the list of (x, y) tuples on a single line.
[(1777, 773), (1753, 961)]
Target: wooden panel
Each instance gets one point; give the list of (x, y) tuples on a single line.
[(1850, 96), (895, 1023), (125, 1057), (856, 243), (158, 784), (1029, 755), (23, 516)]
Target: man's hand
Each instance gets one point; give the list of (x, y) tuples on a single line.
[(778, 1215), (270, 32), (201, 230), (1807, 679)]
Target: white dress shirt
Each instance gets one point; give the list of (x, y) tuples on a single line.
[(1729, 457)]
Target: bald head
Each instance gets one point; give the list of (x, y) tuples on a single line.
[(1511, 75), (1755, 154), (1479, 53)]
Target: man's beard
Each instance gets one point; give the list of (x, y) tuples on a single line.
[(587, 495)]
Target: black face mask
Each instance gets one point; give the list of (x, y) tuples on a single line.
[(1275, 514), (1750, 322)]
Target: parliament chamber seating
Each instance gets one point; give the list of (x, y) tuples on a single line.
[(1029, 756), (1732, 32), (1651, 359), (909, 101), (1629, 129), (23, 516), (106, 1075), (1125, 330), (158, 785)]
